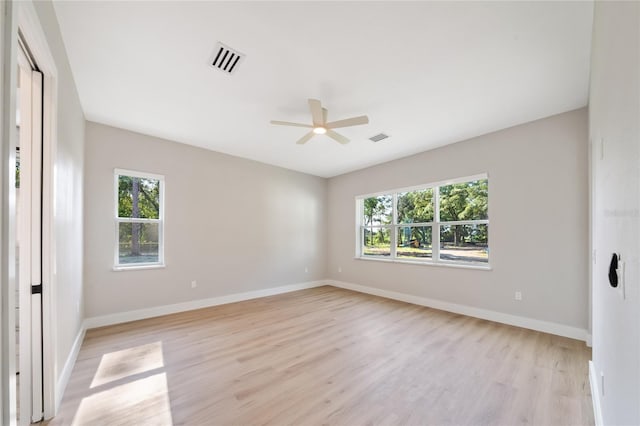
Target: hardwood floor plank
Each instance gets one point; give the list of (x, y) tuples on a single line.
[(325, 356)]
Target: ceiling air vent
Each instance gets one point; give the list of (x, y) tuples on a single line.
[(378, 137), (226, 59)]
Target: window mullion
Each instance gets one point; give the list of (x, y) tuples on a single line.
[(394, 221), (416, 224), (435, 230), (466, 222), (137, 220)]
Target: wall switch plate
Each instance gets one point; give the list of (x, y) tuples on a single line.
[(306, 269), (339, 268), (194, 284), (518, 295)]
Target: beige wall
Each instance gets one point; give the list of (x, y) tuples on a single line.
[(233, 225), (615, 133), (538, 231)]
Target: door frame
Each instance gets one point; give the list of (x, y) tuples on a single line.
[(21, 16), (8, 92), (33, 35)]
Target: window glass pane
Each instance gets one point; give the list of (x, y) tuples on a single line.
[(138, 243), (415, 206), (464, 243), (464, 201), (377, 210), (414, 242), (377, 242), (138, 197)]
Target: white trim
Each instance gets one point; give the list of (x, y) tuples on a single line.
[(24, 237), (429, 185), (524, 322), (435, 228), (33, 34), (65, 374), (117, 266), (36, 39), (22, 15), (49, 306), (137, 266), (4, 159), (134, 173), (393, 232), (436, 224), (445, 263), (137, 220), (453, 223), (157, 311), (589, 340), (595, 395), (8, 92), (359, 232)]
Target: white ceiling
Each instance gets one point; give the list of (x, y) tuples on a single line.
[(426, 73)]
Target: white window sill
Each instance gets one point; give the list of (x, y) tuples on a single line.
[(138, 267), (427, 263)]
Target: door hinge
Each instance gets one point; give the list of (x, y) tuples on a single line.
[(36, 289)]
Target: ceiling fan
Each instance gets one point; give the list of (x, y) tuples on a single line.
[(320, 125)]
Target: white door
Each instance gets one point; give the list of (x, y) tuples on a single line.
[(29, 238)]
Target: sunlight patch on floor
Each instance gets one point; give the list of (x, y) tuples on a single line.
[(127, 362), (141, 401)]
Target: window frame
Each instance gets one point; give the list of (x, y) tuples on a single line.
[(117, 266), (435, 225)]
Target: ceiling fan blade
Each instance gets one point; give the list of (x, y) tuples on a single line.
[(305, 138), (337, 136), (353, 121), (325, 113), (316, 112), (287, 123)]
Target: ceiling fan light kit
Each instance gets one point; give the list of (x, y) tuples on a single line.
[(320, 125)]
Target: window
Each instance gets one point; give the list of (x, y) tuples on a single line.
[(139, 219), (444, 223)]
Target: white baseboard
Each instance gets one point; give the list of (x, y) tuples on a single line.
[(65, 374), (530, 323), (589, 340), (595, 394), (157, 311), (524, 322)]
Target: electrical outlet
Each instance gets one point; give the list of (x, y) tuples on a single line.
[(194, 284), (518, 295)]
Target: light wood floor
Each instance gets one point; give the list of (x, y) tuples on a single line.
[(325, 356)]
